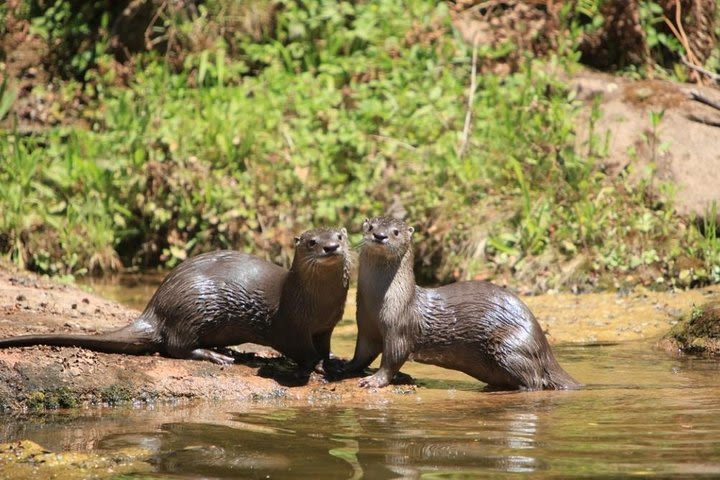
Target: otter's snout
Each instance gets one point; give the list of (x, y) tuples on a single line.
[(331, 247), (379, 237)]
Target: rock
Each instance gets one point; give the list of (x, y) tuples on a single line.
[(697, 331)]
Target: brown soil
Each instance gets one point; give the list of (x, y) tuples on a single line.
[(681, 151)]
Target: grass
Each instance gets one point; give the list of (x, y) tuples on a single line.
[(348, 109)]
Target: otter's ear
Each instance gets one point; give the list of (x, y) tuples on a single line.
[(411, 230), (297, 241), (366, 222), (343, 231)]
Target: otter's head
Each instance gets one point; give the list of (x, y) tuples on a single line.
[(387, 237), (323, 250)]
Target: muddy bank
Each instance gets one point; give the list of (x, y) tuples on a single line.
[(50, 377), (681, 150)]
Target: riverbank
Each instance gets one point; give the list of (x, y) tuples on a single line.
[(42, 377)]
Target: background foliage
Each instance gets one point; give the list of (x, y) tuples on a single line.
[(237, 125)]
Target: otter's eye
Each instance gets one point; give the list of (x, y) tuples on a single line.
[(312, 243), (396, 232), (339, 236), (370, 227)]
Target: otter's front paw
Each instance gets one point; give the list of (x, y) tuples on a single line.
[(375, 381), (319, 367)]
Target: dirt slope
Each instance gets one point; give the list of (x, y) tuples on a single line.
[(683, 149)]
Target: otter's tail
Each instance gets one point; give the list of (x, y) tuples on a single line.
[(129, 340)]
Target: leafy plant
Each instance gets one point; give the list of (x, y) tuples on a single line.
[(347, 109), (7, 98), (658, 42)]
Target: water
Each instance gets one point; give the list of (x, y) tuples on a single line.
[(642, 413)]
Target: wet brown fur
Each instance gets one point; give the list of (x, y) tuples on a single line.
[(475, 327), (227, 298)]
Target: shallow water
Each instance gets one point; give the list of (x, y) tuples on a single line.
[(642, 413)]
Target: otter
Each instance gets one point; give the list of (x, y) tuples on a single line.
[(476, 327), (227, 298)]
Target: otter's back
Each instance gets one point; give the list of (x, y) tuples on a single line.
[(477, 327), (216, 298)]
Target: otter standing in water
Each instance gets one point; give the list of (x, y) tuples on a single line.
[(227, 298), (475, 327)]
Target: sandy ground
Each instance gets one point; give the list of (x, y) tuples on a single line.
[(47, 376)]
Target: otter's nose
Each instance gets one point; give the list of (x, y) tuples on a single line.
[(380, 236), (330, 248)]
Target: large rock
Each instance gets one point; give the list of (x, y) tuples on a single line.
[(41, 377), (698, 331)]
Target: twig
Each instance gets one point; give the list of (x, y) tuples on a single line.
[(697, 96), (686, 43), (471, 100), (149, 43), (712, 75), (680, 34)]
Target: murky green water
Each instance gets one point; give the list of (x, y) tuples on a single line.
[(642, 413)]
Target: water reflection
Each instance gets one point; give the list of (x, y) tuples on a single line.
[(449, 441), (407, 441)]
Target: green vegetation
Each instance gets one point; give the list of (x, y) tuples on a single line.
[(51, 399), (116, 395), (346, 109)]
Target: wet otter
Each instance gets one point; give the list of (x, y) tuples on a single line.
[(227, 298), (475, 327)]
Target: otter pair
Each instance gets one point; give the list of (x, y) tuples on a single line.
[(227, 298)]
